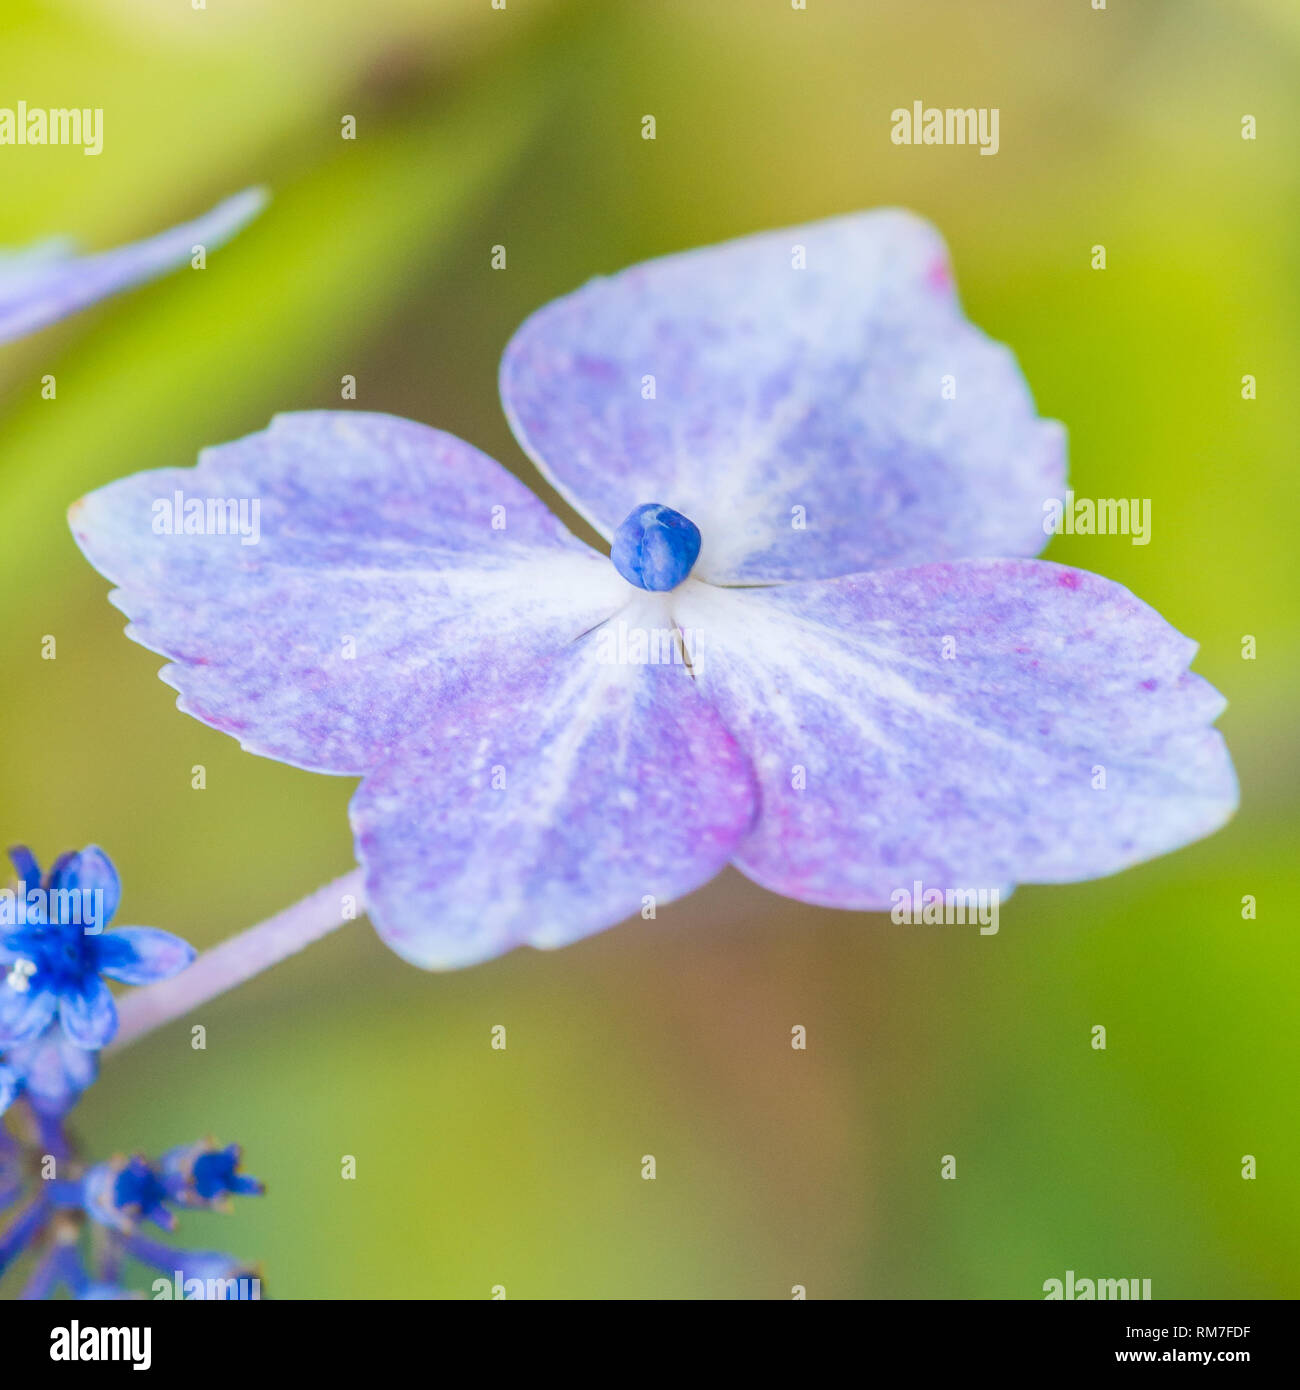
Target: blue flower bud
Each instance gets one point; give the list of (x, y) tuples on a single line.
[(655, 548)]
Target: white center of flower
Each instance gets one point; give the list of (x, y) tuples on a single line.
[(20, 976)]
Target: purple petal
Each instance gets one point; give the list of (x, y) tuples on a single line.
[(549, 808), (89, 871), (49, 281), (54, 1071), (26, 867), (799, 416), (977, 770), (377, 588), (89, 1018), (141, 955), (23, 1012)]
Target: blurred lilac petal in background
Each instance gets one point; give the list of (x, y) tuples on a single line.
[(49, 281)]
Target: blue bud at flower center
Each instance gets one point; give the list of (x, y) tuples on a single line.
[(655, 547)]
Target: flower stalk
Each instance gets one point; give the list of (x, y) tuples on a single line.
[(240, 958)]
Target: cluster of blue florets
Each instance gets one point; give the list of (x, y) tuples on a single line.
[(77, 1226)]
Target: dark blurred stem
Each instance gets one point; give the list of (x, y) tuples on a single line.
[(151, 1252), (23, 1230), (239, 959), (51, 1136), (46, 1274)]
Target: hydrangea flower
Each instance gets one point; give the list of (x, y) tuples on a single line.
[(43, 1078), (54, 947), (126, 1192), (823, 651), (50, 1072), (49, 281), (117, 1197), (205, 1175)]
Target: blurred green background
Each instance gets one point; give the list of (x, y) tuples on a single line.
[(776, 1168)]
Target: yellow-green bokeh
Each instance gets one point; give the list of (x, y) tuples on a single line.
[(776, 1168)]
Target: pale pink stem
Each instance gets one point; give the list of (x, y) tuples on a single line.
[(238, 959)]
